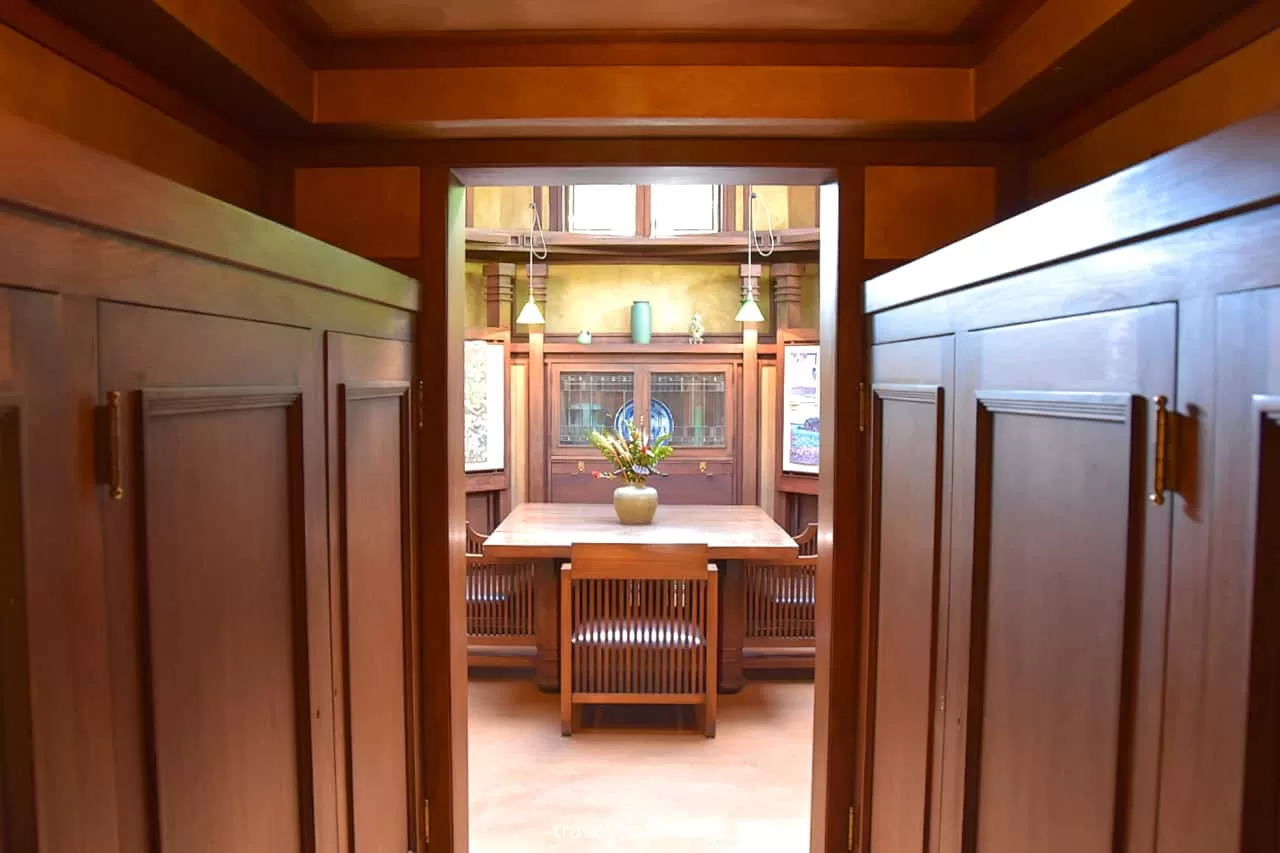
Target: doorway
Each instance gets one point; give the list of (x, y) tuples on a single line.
[(444, 512)]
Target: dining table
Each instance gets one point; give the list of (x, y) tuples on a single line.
[(545, 533)]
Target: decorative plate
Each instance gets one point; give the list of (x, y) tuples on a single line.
[(660, 420)]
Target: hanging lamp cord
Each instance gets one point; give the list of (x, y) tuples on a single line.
[(535, 232), (752, 238)]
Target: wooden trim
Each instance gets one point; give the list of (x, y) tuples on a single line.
[(749, 414), (123, 198), (537, 418), (471, 207), (728, 208), (35, 24), (556, 214), (1246, 168), (644, 211), (636, 47)]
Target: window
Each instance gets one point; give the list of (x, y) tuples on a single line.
[(603, 209), (684, 209)]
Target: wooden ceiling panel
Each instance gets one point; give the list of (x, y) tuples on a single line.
[(930, 18)]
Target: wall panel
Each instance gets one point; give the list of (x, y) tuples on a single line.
[(78, 104), (371, 211), (912, 210)]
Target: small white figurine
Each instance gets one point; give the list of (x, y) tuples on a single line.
[(695, 329)]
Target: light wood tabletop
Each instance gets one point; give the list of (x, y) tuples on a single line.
[(549, 530)]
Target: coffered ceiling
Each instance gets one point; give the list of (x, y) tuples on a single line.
[(928, 18), (909, 69)]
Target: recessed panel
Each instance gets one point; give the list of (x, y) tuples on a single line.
[(373, 469), (908, 462), (225, 628), (1050, 607)]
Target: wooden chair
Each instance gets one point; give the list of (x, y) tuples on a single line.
[(781, 604), (499, 604), (638, 625)]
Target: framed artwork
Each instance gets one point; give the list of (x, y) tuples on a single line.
[(485, 396), (800, 426)]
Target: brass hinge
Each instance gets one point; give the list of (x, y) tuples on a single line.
[(853, 822), (421, 404), (426, 821), (864, 406)]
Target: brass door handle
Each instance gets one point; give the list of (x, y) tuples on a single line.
[(114, 465), (582, 466), (1159, 485), (702, 467)]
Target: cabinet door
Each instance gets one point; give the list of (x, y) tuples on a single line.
[(1220, 784), (218, 583), (910, 489), (1059, 582), (693, 404), (372, 593), (588, 398), (57, 781)]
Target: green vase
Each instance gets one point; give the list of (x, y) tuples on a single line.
[(641, 322)]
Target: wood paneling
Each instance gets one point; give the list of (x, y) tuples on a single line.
[(637, 97), (397, 16), (238, 34), (1236, 87), (912, 210), (371, 211), (909, 517), (225, 618), (116, 197), (218, 594), (1175, 190), (907, 444), (374, 475), (372, 590), (18, 825), (1220, 697), (76, 103)]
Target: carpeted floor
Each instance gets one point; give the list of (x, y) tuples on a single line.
[(632, 782)]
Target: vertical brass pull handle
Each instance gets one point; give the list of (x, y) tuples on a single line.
[(1158, 485), (582, 466), (113, 446), (702, 467)]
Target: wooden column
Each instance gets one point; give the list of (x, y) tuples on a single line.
[(499, 294), (537, 443), (787, 279), (750, 277)]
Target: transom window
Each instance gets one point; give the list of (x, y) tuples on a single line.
[(628, 210), (603, 209)]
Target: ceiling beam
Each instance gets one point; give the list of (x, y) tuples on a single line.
[(637, 96)]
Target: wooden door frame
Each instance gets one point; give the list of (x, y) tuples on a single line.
[(441, 484)]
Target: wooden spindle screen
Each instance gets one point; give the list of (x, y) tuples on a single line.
[(781, 597), (499, 595), (639, 637)]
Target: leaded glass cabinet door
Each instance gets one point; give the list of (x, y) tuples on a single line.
[(589, 398), (695, 405)]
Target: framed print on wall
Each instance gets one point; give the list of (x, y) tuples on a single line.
[(484, 392), (800, 425)]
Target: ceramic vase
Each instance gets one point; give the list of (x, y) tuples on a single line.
[(635, 504), (641, 322)]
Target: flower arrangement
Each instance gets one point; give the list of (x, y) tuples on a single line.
[(633, 453)]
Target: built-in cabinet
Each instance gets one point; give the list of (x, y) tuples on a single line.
[(207, 633), (1074, 585), (692, 400)]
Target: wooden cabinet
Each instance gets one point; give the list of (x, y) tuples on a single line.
[(694, 401), (207, 627), (1074, 566)]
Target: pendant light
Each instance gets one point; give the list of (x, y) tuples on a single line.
[(750, 310), (529, 314)]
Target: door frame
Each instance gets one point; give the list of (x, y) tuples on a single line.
[(441, 512)]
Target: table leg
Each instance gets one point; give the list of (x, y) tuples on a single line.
[(546, 625), (732, 622)]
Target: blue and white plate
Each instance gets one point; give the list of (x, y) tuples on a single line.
[(660, 420)]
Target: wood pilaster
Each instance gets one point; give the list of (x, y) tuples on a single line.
[(499, 294)]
